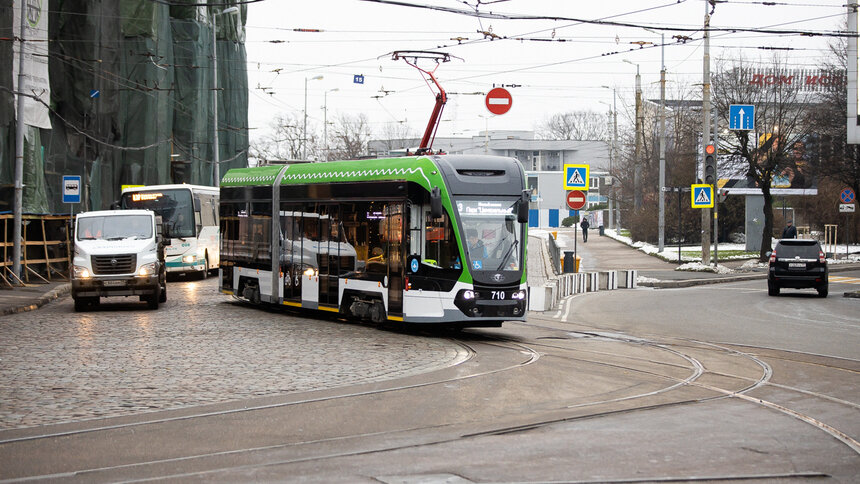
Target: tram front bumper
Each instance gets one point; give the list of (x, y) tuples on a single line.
[(491, 303)]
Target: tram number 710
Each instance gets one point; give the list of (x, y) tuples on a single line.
[(497, 294)]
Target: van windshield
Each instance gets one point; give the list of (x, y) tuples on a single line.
[(114, 227)]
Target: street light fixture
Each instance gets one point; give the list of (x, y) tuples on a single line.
[(325, 121), (305, 116), (217, 147)]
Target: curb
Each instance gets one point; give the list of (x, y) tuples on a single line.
[(49, 296), (700, 282)]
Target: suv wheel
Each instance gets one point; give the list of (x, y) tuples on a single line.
[(772, 289), (822, 290)]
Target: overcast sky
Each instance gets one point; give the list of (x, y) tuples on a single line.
[(560, 65)]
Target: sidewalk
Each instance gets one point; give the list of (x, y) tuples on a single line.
[(605, 254), (31, 296)]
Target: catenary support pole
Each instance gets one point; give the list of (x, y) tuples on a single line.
[(19, 155), (661, 223), (706, 130)]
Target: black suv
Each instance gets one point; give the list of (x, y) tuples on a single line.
[(797, 263)]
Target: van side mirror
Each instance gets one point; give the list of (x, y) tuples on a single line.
[(523, 208), (436, 203)]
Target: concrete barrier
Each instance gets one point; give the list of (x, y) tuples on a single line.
[(541, 298), (627, 279), (608, 280), (591, 281)]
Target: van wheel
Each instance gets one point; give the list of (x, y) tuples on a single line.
[(152, 300), (80, 304)]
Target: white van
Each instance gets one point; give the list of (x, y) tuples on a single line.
[(118, 253)]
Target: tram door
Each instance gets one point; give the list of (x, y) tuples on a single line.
[(329, 255), (310, 257), (291, 254), (393, 230)]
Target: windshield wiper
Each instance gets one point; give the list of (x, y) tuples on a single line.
[(508, 254)]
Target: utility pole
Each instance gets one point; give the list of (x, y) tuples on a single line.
[(615, 158), (19, 154), (706, 131), (637, 167), (661, 219)]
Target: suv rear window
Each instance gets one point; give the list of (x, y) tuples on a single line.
[(805, 249)]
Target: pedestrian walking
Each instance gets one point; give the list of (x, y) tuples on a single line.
[(790, 231), (584, 225)]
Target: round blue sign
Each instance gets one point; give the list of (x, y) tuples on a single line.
[(414, 265), (847, 195)]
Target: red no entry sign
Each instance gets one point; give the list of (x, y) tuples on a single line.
[(576, 199), (498, 100)]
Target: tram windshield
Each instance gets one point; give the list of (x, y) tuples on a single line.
[(492, 234)]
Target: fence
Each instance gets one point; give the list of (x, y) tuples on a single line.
[(44, 248)]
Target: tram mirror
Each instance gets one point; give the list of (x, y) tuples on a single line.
[(436, 203), (523, 208)]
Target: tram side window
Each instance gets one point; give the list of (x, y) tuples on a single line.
[(256, 232), (440, 247), (230, 213)]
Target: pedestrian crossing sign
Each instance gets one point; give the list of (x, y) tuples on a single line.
[(576, 177), (702, 196)]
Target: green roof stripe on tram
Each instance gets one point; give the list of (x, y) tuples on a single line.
[(261, 175), (420, 170)]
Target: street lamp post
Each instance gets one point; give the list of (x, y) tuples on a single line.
[(325, 121), (305, 121), (613, 155), (216, 159), (637, 167)]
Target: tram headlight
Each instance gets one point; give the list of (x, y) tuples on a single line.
[(519, 295), (468, 294)]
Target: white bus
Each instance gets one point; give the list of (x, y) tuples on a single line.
[(190, 216)]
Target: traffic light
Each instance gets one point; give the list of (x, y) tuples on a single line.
[(710, 165)]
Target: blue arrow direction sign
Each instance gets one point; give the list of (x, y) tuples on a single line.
[(576, 177), (741, 117)]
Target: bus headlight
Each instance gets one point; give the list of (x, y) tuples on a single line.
[(519, 295), (189, 259), (147, 269), (81, 272)]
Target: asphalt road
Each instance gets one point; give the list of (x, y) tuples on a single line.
[(699, 384)]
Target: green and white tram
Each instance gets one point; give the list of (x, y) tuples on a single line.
[(428, 239)]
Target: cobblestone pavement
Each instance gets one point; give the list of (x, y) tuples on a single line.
[(198, 348)]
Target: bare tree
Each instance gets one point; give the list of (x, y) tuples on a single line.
[(349, 137), (284, 141), (396, 135), (780, 117), (575, 125)]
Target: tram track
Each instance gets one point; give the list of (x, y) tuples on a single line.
[(843, 437), (245, 458)]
